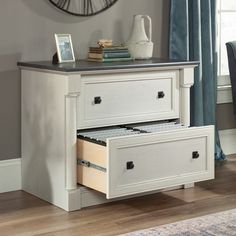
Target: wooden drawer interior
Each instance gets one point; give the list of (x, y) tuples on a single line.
[(96, 154)]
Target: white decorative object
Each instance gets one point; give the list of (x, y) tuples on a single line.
[(140, 45), (65, 50)]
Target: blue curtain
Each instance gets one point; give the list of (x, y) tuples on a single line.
[(193, 37)]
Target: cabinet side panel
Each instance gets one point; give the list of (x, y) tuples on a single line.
[(43, 136)]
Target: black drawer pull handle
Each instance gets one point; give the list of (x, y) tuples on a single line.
[(195, 155), (130, 165), (161, 94), (97, 100)]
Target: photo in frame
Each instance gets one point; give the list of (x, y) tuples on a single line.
[(64, 46)]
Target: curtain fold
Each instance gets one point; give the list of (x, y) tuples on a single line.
[(193, 37)]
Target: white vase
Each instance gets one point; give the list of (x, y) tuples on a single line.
[(139, 44)]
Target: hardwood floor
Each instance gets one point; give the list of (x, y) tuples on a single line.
[(23, 214)]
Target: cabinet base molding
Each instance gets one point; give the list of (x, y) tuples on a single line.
[(10, 175), (83, 197), (190, 185), (91, 197)]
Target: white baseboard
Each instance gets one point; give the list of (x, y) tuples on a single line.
[(228, 141), (10, 175)]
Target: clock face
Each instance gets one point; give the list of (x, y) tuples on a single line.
[(83, 7)]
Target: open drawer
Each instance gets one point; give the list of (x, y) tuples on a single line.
[(145, 161)]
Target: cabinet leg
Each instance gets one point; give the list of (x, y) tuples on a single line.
[(190, 185)]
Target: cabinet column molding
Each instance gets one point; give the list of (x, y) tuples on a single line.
[(71, 141), (186, 82)]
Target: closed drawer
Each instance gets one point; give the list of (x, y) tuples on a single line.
[(127, 98), (148, 161)]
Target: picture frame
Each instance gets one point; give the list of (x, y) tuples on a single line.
[(64, 46)]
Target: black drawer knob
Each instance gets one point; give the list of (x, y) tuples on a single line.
[(130, 165), (97, 100), (161, 94), (195, 155)]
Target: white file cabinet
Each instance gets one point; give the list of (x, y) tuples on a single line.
[(93, 133)]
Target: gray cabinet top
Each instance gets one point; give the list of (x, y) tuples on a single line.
[(83, 65)]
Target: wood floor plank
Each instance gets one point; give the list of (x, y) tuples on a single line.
[(22, 214)]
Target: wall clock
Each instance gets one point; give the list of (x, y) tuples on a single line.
[(83, 7)]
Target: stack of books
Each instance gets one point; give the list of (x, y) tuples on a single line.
[(109, 54)]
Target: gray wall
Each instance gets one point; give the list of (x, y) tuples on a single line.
[(27, 28)]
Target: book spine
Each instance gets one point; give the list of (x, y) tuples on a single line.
[(116, 54), (95, 55), (108, 48), (111, 59), (117, 59), (108, 51)]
